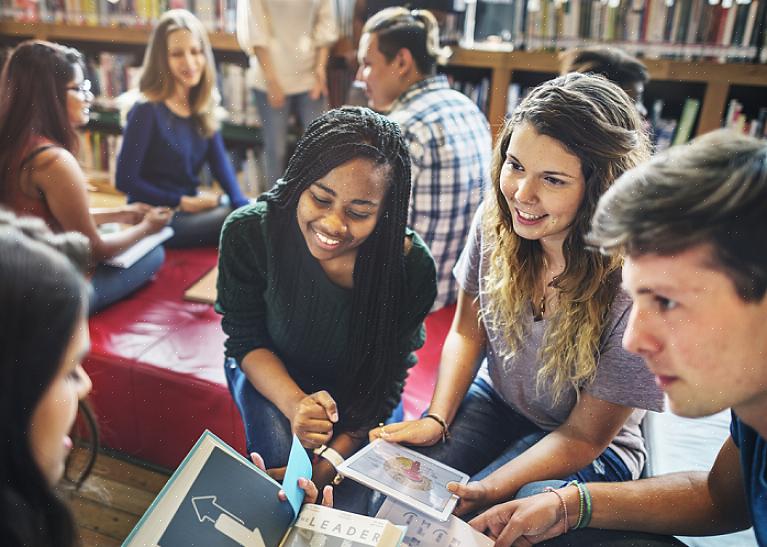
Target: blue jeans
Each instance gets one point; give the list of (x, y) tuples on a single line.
[(268, 432), (110, 284), (275, 127), (201, 229), (487, 433)]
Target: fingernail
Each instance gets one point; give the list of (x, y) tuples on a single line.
[(301, 482), (334, 417)]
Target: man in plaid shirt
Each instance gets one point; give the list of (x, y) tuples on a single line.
[(447, 134)]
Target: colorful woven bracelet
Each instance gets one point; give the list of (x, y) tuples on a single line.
[(587, 505)]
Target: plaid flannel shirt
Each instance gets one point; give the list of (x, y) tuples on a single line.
[(450, 147)]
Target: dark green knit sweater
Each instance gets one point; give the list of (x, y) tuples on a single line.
[(273, 294)]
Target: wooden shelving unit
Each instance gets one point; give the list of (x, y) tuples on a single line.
[(717, 77)]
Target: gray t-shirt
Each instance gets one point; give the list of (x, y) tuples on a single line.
[(621, 378)]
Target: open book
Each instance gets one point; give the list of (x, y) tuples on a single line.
[(135, 252), (218, 498)]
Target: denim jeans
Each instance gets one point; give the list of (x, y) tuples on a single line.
[(487, 433), (110, 284), (268, 432), (201, 229), (275, 127)]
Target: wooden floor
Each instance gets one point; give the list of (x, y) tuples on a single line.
[(113, 499)]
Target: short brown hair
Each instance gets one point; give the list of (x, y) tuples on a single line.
[(712, 191)]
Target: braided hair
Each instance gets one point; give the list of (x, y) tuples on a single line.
[(331, 140)]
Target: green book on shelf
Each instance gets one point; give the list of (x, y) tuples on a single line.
[(686, 121)]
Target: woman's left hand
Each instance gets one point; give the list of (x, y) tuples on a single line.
[(423, 432), (133, 213), (310, 489)]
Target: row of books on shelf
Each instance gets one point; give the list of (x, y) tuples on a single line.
[(737, 120), (666, 131), (112, 74), (216, 15), (476, 91), (654, 28)]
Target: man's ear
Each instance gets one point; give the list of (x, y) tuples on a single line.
[(404, 62)]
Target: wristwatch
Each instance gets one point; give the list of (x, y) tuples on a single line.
[(330, 454), (335, 459)]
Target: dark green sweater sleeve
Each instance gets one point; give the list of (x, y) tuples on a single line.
[(420, 294), (242, 280)]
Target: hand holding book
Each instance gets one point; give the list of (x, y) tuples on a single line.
[(311, 493)]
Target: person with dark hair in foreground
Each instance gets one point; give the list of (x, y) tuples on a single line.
[(42, 383), (691, 224), (323, 292)]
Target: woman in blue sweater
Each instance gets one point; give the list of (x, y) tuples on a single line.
[(173, 132)]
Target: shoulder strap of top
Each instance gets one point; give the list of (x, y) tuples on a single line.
[(36, 152)]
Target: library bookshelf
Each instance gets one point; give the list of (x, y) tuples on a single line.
[(717, 78)]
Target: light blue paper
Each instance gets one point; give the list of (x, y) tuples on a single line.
[(299, 465)]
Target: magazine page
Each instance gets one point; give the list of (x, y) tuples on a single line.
[(423, 531)]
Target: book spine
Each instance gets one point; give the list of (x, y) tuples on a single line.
[(686, 121)]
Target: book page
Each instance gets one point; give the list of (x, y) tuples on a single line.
[(133, 254), (423, 531)]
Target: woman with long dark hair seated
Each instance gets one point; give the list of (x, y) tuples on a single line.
[(44, 98), (323, 292)]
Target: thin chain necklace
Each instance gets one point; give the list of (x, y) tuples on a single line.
[(540, 311)]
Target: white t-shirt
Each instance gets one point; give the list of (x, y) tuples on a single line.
[(293, 31)]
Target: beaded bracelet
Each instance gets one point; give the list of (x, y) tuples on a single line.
[(580, 503), (442, 423), (562, 503)]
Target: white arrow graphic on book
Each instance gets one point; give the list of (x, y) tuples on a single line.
[(225, 522)]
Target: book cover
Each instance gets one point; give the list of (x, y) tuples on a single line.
[(217, 498)]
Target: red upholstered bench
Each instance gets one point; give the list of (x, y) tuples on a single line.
[(156, 362)]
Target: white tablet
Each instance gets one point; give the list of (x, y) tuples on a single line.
[(405, 475)]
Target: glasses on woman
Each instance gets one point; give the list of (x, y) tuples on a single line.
[(83, 88)]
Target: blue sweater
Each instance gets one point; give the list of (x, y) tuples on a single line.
[(162, 155)]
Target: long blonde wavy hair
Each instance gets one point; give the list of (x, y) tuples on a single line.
[(597, 122), (156, 82)]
